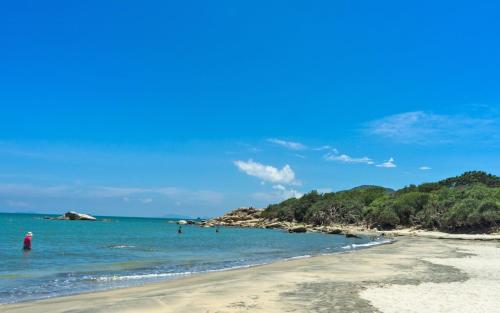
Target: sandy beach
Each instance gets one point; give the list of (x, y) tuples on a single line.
[(411, 275)]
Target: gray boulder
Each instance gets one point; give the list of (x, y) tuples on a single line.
[(334, 231), (297, 229), (75, 216), (349, 235)]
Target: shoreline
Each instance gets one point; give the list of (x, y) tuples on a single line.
[(339, 281), (252, 218), (409, 232), (184, 275)]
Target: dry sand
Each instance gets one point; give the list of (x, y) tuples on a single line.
[(479, 293), (412, 275)]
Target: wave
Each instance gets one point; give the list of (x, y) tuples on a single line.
[(135, 277), (163, 275), (179, 274), (121, 247), (300, 257), (151, 276), (368, 244)]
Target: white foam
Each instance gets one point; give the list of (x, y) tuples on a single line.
[(166, 275), (136, 277), (368, 244), (163, 275), (121, 247), (300, 257)]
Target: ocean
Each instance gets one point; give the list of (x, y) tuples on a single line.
[(71, 257)]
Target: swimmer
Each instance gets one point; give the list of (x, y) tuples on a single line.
[(27, 241)]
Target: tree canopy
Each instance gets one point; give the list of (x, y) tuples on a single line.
[(466, 203)]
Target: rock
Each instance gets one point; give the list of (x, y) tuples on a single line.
[(297, 229), (242, 217), (349, 235), (274, 225), (75, 216), (333, 231), (182, 222)]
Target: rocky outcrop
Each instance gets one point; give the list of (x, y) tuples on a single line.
[(275, 225), (75, 216), (297, 229), (252, 217), (242, 217)]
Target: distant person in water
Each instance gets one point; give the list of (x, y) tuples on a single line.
[(217, 230), (27, 241), (179, 231)]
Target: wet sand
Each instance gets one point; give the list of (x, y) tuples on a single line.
[(411, 275)]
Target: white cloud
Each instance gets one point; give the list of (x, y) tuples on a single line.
[(424, 127), (267, 173), (287, 193), (347, 159), (288, 144), (388, 164), (279, 193), (424, 168)]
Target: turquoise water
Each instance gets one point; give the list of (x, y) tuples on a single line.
[(71, 257)]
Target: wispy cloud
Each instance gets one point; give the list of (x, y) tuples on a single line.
[(31, 190), (126, 194), (248, 147), (388, 164), (347, 159), (112, 192), (291, 145), (425, 127), (18, 204), (424, 168), (267, 172), (146, 200), (325, 147)]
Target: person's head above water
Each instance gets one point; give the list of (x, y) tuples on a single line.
[(29, 234)]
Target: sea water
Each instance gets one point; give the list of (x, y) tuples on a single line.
[(70, 257)]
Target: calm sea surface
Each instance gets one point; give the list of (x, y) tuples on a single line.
[(71, 257)]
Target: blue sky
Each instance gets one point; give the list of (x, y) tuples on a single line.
[(194, 108)]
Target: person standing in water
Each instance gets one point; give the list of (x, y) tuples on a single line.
[(179, 231), (27, 241)]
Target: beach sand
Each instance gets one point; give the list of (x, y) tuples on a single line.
[(411, 275)]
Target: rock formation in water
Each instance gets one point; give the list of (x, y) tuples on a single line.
[(75, 216)]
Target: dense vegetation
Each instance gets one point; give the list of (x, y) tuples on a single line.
[(466, 203)]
